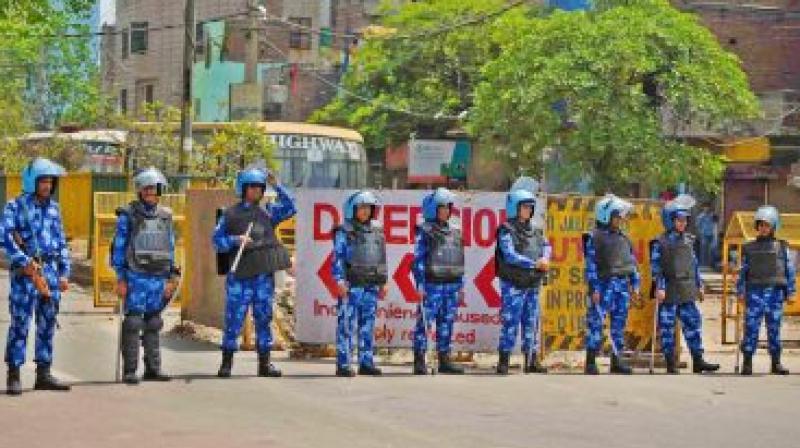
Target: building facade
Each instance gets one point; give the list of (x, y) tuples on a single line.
[(301, 52)]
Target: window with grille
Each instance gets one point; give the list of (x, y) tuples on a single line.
[(139, 37), (123, 101), (126, 42), (300, 36)]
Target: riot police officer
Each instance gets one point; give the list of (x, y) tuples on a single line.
[(612, 276), (250, 226), (143, 257), (359, 268), (439, 276), (674, 265), (766, 280), (522, 255), (39, 259)]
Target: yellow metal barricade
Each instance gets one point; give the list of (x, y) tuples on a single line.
[(564, 299), (13, 186)]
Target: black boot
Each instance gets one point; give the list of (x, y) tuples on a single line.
[(747, 365), (369, 370), (130, 378), (13, 384), (345, 372), (532, 365), (152, 350), (699, 365), (265, 368), (672, 366), (777, 367), (502, 363), (447, 367), (46, 381), (619, 367), (419, 364), (591, 364), (226, 366)]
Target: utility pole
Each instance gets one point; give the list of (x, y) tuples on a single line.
[(251, 62), (245, 103), (186, 106)]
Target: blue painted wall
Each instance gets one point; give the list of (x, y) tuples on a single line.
[(212, 80)]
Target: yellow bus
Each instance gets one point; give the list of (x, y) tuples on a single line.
[(308, 155)]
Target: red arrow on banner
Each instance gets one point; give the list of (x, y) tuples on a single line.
[(324, 273), (483, 281), (402, 277)]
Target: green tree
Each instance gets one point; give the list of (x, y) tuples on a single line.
[(54, 72), (153, 138), (433, 76), (620, 70), (233, 148)]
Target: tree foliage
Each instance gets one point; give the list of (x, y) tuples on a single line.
[(232, 149), (618, 70), (433, 76), (596, 89), (55, 74)]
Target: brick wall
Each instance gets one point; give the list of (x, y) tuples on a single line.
[(766, 40)]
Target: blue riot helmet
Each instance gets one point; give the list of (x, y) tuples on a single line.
[(38, 169), (609, 206), (150, 177), (358, 198), (770, 215), (430, 205), (517, 198), (523, 191), (681, 206), (250, 176)]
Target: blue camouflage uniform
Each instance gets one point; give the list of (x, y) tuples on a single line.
[(685, 308), (440, 302), (614, 300), (520, 305), (257, 291), (39, 225), (356, 311), (764, 303)]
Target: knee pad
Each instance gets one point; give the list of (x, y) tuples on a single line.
[(153, 323), (133, 323)]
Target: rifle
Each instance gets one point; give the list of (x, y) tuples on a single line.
[(35, 273)]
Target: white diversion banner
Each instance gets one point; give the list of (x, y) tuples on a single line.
[(478, 214)]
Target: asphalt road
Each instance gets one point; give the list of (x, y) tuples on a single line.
[(309, 407)]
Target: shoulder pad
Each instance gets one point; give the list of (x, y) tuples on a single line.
[(227, 212), (345, 226), (164, 212), (506, 226)]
